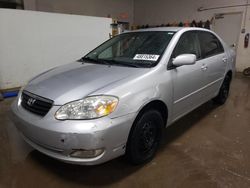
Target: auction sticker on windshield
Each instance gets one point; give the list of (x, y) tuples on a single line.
[(147, 57)]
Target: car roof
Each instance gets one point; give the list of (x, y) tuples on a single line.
[(175, 29), (170, 29)]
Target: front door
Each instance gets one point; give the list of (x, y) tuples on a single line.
[(187, 79)]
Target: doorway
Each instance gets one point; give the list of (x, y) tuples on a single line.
[(228, 27)]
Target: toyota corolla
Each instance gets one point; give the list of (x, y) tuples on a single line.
[(117, 99)]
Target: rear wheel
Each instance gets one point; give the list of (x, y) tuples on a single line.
[(224, 91), (145, 137)]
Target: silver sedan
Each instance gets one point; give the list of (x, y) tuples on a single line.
[(117, 99)]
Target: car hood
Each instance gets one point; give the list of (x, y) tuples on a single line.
[(77, 80)]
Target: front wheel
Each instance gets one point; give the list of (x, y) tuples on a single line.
[(145, 137), (224, 91)]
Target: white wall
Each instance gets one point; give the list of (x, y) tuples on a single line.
[(101, 8), (164, 11), (32, 42)]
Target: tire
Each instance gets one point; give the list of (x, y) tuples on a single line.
[(144, 137), (246, 72), (221, 98)]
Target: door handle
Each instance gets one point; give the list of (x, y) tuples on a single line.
[(224, 60), (204, 67)]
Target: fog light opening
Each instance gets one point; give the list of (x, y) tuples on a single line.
[(81, 153)]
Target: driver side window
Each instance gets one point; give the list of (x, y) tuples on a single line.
[(187, 44), (120, 49)]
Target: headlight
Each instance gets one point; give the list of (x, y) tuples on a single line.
[(20, 94), (88, 108)]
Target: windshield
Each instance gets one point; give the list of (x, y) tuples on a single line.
[(136, 49)]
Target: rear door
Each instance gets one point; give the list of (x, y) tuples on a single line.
[(214, 62)]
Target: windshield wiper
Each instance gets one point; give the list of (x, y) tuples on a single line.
[(98, 61), (112, 62), (121, 63), (83, 59), (127, 64)]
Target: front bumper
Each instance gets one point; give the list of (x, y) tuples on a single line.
[(59, 139)]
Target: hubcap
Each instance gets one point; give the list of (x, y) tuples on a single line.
[(225, 90), (147, 137)]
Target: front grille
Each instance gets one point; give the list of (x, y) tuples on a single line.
[(35, 104)]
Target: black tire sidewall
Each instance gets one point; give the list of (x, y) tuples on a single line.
[(132, 152), (246, 72), (221, 99)]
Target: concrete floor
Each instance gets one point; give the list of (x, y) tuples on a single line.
[(210, 147)]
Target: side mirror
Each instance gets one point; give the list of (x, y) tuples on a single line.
[(184, 59)]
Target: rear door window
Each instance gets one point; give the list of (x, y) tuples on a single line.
[(210, 44)]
